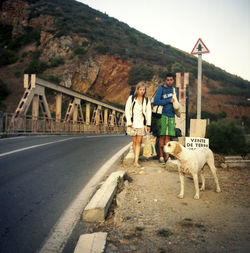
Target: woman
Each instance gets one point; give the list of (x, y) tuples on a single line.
[(138, 116)]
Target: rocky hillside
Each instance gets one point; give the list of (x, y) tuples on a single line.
[(69, 43)]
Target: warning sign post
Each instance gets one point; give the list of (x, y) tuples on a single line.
[(199, 48)]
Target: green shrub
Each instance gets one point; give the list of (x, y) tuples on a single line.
[(162, 74), (234, 91), (7, 57), (36, 66), (85, 43), (118, 51), (177, 67), (50, 78), (30, 36), (133, 40), (18, 74), (5, 34), (4, 91), (209, 115), (54, 62), (24, 54), (101, 49), (226, 137), (79, 51), (140, 73), (222, 115), (241, 103), (246, 122)]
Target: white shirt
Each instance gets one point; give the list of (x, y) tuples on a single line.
[(146, 110), (138, 118)]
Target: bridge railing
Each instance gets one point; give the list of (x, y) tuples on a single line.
[(27, 124)]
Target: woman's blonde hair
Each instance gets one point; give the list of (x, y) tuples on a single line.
[(138, 86)]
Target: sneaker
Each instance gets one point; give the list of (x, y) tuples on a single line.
[(161, 160)]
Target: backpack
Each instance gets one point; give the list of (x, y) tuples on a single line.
[(156, 109), (133, 104)]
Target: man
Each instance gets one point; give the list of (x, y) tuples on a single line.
[(166, 124)]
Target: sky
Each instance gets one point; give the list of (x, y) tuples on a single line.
[(223, 26)]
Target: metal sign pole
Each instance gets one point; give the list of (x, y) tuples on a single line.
[(199, 86), (199, 48)]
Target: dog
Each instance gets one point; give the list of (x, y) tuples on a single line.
[(192, 162)]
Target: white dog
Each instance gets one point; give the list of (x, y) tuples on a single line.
[(192, 162)]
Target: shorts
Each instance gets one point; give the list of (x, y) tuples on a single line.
[(163, 126), (136, 131)]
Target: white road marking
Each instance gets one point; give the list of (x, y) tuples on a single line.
[(12, 138), (48, 143), (34, 146), (62, 230)]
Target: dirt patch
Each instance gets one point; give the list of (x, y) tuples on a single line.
[(147, 216)]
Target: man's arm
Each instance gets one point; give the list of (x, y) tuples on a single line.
[(158, 100)]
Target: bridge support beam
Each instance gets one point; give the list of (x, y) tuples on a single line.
[(35, 112), (58, 107), (77, 112), (98, 116), (87, 114), (106, 117)]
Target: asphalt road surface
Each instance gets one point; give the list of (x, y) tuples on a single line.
[(40, 177)]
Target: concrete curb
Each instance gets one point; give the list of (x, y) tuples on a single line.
[(91, 243), (236, 161), (98, 207), (96, 210)]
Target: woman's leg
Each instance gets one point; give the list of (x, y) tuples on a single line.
[(136, 157), (137, 149), (134, 143)]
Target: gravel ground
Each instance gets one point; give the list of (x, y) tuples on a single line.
[(146, 215)]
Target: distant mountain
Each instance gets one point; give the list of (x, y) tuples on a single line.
[(72, 44)]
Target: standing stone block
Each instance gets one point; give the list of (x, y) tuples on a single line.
[(91, 243), (97, 208)]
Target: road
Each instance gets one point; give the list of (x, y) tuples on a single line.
[(40, 177)]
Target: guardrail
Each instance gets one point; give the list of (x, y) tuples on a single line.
[(29, 124)]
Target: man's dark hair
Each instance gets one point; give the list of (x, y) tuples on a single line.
[(169, 75)]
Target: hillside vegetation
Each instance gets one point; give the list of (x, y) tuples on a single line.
[(95, 34)]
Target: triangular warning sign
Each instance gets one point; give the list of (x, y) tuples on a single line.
[(200, 48)]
